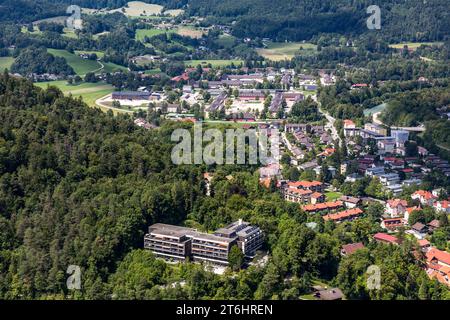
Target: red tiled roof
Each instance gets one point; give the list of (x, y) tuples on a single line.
[(304, 184), (424, 194), (322, 206), (316, 195), (352, 247), (343, 215), (385, 237), (396, 202), (441, 256)]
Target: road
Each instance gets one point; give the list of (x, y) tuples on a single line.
[(330, 126)]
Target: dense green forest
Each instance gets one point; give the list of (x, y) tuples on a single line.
[(292, 19)]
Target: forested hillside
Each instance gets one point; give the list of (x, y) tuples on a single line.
[(282, 19)]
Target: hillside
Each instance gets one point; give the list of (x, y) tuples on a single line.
[(293, 19)]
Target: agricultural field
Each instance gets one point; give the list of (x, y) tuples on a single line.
[(214, 63), (100, 54), (277, 51), (414, 45), (80, 66), (190, 31), (89, 92), (5, 63), (142, 33), (139, 9)]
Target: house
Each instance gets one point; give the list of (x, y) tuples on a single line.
[(326, 206), (419, 230), (442, 206), (392, 224), (331, 294), (346, 215), (350, 202), (385, 238), (396, 207), (433, 225), (298, 195), (438, 263), (424, 245), (425, 197), (408, 212), (348, 249), (315, 186)]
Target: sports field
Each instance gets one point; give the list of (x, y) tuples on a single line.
[(277, 51)]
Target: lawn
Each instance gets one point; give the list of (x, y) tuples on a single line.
[(332, 196), (278, 51), (112, 67), (142, 33), (80, 66), (414, 45), (214, 63), (5, 63), (90, 92)]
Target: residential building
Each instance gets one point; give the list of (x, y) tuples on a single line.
[(442, 206), (350, 202), (179, 243), (425, 197), (396, 207), (348, 249), (385, 238), (346, 215), (326, 206)]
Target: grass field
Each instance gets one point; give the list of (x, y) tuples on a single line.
[(112, 67), (80, 66), (414, 45), (214, 63), (277, 51), (142, 33), (89, 92), (99, 54), (5, 63), (332, 196)]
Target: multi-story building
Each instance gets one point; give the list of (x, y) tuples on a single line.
[(250, 238), (179, 243), (169, 242)]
